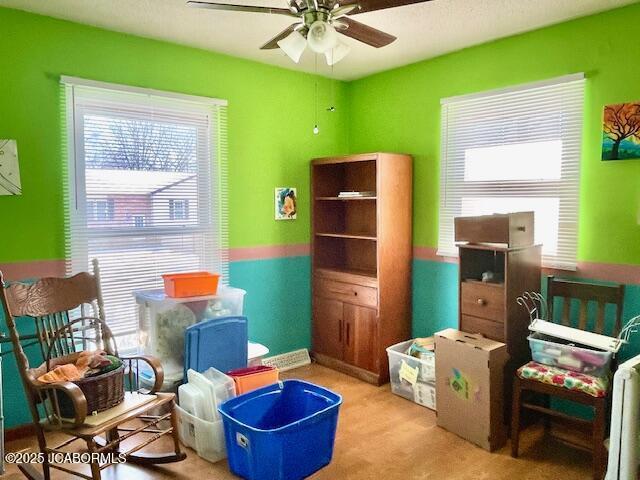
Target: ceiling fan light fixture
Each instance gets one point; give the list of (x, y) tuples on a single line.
[(321, 37), (337, 53), (293, 45)]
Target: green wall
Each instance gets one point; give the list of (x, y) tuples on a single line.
[(270, 139), (271, 116), (270, 144), (399, 110)]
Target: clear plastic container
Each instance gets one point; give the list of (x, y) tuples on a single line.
[(425, 394), (425, 365), (170, 384), (411, 377), (162, 321), (206, 438), (205, 392), (561, 353), (192, 400)]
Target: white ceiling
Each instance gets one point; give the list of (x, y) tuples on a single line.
[(424, 30)]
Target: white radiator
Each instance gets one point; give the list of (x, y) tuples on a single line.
[(625, 415)]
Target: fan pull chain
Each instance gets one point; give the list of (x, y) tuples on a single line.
[(332, 107), (316, 130)]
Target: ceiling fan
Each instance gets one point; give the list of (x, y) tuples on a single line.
[(318, 25)]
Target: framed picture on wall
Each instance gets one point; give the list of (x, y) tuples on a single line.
[(286, 203), (621, 131), (9, 169)]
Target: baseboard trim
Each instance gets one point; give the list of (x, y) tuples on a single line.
[(359, 373), (19, 432)]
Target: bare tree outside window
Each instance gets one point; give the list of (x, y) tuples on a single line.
[(139, 145)]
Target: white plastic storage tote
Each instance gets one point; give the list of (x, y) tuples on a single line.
[(199, 424), (206, 438), (411, 377)]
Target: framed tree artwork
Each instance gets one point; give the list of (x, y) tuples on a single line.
[(9, 169), (621, 131)]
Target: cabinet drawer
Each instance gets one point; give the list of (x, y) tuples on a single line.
[(487, 328), (346, 292), (484, 301)]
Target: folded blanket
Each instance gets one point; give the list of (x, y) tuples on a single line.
[(75, 366)]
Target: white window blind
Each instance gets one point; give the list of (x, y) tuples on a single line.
[(145, 190), (515, 150)]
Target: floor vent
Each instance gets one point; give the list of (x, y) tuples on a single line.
[(289, 360)]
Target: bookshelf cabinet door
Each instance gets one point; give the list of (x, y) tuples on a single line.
[(360, 336), (328, 327)]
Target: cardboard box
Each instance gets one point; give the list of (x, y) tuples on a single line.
[(469, 387)]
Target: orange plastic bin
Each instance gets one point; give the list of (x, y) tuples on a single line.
[(252, 378), (190, 284)]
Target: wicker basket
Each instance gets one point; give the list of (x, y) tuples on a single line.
[(101, 391)]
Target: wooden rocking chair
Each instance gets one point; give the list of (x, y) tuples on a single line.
[(57, 309)]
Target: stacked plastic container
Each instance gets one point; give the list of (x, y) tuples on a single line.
[(162, 321), (199, 423), (413, 377)]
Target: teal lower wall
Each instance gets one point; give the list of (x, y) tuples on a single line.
[(278, 306), (278, 301), (435, 297)]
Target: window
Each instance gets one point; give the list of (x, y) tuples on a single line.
[(515, 150), (100, 210), (178, 209), (138, 161), (138, 221)]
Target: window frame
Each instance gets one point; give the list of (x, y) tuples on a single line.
[(462, 111), (211, 216)]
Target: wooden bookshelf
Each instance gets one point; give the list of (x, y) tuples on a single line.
[(361, 260), (354, 236), (346, 199)]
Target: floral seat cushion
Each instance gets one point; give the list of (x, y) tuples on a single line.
[(594, 386)]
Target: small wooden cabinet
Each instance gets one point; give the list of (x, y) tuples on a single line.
[(361, 254), (490, 308)]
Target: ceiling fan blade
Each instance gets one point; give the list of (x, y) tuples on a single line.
[(273, 43), (373, 5), (341, 10), (364, 33), (241, 8)]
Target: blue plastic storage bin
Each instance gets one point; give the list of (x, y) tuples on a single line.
[(283, 431)]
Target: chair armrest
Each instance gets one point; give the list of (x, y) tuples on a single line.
[(155, 365), (74, 393)]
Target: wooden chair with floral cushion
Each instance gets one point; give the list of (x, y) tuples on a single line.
[(565, 384), (66, 316)]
